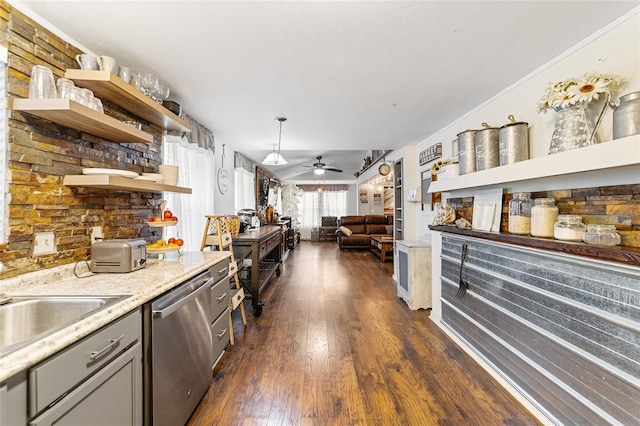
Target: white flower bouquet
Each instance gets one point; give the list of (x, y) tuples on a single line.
[(572, 91)]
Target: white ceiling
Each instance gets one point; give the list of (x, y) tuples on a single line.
[(350, 76)]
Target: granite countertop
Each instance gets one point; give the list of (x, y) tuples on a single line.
[(141, 286)]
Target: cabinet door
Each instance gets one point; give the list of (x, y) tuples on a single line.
[(13, 400), (112, 396), (220, 332)]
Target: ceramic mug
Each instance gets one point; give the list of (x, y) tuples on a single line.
[(107, 63), (125, 74), (87, 62)]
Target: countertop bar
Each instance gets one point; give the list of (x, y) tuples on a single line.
[(141, 286), (618, 254), (257, 234)]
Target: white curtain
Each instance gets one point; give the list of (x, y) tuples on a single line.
[(317, 204), (245, 197), (196, 172)]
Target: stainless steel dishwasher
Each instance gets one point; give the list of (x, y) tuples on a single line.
[(178, 352)]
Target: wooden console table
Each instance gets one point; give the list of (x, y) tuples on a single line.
[(381, 246), (262, 247)]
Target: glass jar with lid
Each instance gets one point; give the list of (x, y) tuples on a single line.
[(544, 215), (569, 227), (603, 235), (520, 213)]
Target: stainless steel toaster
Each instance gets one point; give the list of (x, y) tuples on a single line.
[(118, 255)]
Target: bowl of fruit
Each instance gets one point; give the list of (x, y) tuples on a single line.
[(166, 219), (162, 246)]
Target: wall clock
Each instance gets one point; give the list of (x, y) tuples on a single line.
[(384, 169), (223, 181)]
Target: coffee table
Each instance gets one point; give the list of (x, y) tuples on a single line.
[(381, 246)]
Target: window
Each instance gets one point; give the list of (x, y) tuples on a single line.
[(316, 204), (196, 172), (244, 190)]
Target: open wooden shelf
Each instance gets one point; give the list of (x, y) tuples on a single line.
[(77, 116), (607, 155), (121, 183), (107, 85), (618, 254)]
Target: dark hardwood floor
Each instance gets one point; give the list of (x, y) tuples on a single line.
[(335, 346)]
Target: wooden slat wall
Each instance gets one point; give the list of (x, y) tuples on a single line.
[(563, 330)]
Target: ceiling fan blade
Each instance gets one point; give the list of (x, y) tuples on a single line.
[(294, 174), (332, 169)]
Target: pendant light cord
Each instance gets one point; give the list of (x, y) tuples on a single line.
[(279, 141), (281, 120)]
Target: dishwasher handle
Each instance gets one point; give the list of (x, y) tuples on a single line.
[(163, 313)]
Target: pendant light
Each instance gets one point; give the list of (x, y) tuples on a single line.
[(274, 158)]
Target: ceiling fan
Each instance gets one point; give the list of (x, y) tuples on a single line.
[(319, 167)]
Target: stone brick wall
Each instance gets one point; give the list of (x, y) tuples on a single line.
[(613, 205), (41, 153)]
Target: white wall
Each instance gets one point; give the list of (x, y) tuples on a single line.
[(370, 207), (615, 50), (352, 200)]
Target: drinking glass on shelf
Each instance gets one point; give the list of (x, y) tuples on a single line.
[(87, 97), (64, 88), (163, 90), (135, 80), (96, 105), (149, 82), (76, 94), (42, 85)]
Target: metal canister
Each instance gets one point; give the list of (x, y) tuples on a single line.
[(466, 152), (626, 116), (487, 149), (514, 141)]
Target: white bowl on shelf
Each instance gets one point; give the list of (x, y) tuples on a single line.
[(156, 176)]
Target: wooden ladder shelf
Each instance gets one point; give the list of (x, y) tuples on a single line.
[(217, 235)]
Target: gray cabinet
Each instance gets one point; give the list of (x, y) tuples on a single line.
[(112, 396), (220, 334), (13, 400), (96, 381), (220, 316)]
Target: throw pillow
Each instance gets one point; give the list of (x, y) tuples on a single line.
[(346, 231)]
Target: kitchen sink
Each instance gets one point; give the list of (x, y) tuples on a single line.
[(24, 319)]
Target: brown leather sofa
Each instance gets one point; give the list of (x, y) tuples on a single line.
[(362, 228)]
